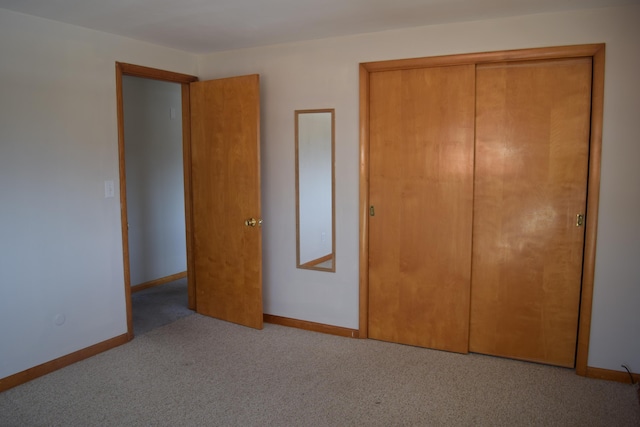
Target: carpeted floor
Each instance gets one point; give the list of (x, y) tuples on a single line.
[(158, 306), (199, 371)]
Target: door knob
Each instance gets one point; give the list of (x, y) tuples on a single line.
[(252, 222)]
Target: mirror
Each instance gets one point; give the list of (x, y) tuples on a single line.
[(315, 207)]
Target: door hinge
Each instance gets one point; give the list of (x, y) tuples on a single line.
[(372, 211)]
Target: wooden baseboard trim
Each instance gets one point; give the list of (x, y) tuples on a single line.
[(311, 326), (59, 363), (611, 375), (156, 282)]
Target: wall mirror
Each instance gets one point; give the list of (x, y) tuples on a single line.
[(315, 188)]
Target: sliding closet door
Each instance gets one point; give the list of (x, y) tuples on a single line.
[(532, 150), (421, 192)]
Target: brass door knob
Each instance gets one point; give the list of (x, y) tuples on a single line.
[(252, 222)]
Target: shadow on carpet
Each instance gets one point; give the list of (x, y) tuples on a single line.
[(159, 306)]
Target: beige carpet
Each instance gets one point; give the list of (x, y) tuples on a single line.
[(199, 371)]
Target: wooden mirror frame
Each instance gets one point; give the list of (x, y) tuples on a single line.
[(325, 262)]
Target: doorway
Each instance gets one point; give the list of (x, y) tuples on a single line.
[(148, 79), (155, 201), (221, 166)]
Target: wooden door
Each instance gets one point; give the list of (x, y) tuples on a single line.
[(532, 149), (225, 150), (421, 190)]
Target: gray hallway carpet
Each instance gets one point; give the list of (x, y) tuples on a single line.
[(159, 306), (199, 371)]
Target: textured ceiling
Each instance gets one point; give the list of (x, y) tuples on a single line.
[(204, 26)]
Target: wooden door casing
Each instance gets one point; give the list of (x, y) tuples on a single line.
[(184, 80), (532, 155), (421, 190), (225, 153)]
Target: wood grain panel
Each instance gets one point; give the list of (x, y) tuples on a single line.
[(188, 198), (154, 73), (226, 191), (597, 52), (552, 52), (421, 187), (363, 265), (593, 201), (532, 152)]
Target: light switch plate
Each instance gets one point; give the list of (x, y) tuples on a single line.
[(109, 189)]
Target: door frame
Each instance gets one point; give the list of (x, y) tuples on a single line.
[(124, 69), (597, 53)]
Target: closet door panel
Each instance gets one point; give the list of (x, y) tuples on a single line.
[(421, 190), (532, 150)]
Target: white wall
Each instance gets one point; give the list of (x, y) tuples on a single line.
[(60, 238), (324, 74), (154, 177)]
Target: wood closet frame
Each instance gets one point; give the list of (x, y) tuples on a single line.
[(597, 53)]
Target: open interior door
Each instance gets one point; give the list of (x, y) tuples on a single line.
[(225, 176)]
